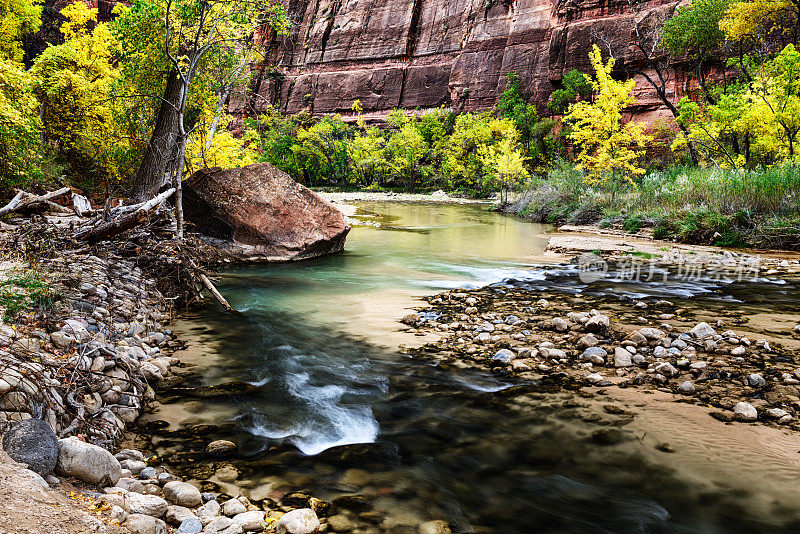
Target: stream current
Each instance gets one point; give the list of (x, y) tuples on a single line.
[(321, 400)]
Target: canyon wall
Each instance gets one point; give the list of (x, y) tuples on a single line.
[(430, 53)]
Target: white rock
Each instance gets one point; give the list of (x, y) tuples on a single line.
[(622, 358), (233, 507), (177, 514), (745, 412), (702, 330), (182, 494), (76, 330), (145, 524), (301, 521), (687, 388), (87, 462), (253, 521), (208, 511), (151, 505)]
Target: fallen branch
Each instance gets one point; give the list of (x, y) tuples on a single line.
[(11, 206), (126, 222), (216, 294), (17, 204)]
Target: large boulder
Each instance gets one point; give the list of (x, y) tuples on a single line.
[(87, 462), (258, 212), (34, 443)]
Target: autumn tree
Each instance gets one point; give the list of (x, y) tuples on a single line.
[(186, 43), (72, 83), (506, 166), (19, 121), (608, 149)]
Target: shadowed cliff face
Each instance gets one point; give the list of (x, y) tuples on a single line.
[(428, 53)]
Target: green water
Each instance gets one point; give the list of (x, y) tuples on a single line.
[(318, 390)]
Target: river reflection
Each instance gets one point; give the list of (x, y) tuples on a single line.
[(324, 405)]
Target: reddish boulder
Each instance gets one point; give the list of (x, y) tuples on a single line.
[(258, 212)]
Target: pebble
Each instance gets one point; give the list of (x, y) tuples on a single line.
[(756, 380), (622, 358), (686, 388)]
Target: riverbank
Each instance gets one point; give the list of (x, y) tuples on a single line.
[(740, 364), (85, 344)]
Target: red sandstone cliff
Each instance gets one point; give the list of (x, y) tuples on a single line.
[(428, 53)]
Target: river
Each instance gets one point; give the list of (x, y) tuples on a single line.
[(321, 400)]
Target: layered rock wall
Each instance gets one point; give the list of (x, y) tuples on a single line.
[(430, 53)]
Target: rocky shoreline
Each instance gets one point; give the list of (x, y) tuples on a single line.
[(713, 358), (77, 370)]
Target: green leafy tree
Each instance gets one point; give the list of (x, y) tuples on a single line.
[(405, 152), (321, 151), (574, 87)]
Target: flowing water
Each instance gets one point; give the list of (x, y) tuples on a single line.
[(319, 399)]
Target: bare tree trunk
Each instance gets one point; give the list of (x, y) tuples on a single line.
[(163, 142)]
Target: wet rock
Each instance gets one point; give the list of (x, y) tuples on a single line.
[(301, 521), (745, 412), (702, 331), (503, 356), (145, 524), (340, 523), (434, 527), (412, 319), (686, 388), (34, 443), (756, 380), (220, 447), (86, 462)]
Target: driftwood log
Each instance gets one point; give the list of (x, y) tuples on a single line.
[(23, 202), (126, 221)]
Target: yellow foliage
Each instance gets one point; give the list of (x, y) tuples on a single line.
[(17, 18), (752, 19), (608, 149)]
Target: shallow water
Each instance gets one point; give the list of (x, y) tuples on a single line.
[(331, 408)]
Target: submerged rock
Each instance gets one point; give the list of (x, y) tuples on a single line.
[(259, 212)]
